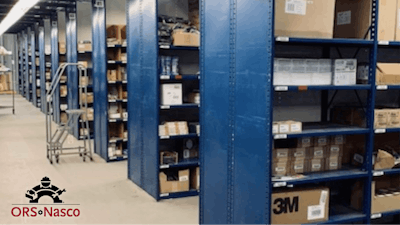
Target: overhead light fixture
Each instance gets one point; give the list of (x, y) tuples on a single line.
[(17, 11)]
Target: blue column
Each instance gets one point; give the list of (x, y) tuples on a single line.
[(54, 66), (21, 64), (32, 37), (236, 126), (100, 90), (72, 57), (42, 66), (26, 69)]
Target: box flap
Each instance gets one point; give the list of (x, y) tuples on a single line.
[(389, 68)]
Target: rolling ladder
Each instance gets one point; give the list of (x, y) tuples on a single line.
[(55, 141)]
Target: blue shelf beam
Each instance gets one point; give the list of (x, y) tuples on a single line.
[(282, 88), (179, 194), (326, 41), (99, 75), (54, 66), (42, 65), (72, 57)]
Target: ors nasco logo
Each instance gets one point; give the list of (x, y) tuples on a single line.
[(45, 191)]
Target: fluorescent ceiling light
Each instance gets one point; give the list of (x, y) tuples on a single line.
[(19, 9)]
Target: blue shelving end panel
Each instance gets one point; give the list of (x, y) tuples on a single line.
[(143, 94), (21, 66), (42, 66), (32, 37), (236, 136), (100, 90), (26, 68), (72, 57), (54, 66)]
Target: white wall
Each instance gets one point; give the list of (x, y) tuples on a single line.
[(115, 12), (84, 19), (174, 8), (61, 26)]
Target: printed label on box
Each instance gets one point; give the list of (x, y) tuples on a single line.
[(358, 158), (299, 167), (280, 169), (298, 7), (316, 166), (184, 178), (315, 212), (298, 154), (333, 164), (335, 149), (318, 153), (344, 18), (282, 154)]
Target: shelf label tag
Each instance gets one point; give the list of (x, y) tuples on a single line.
[(280, 184), (379, 173), (376, 216), (113, 121), (164, 137), (380, 131), (280, 136), (381, 87), (164, 195), (164, 77), (383, 42), (281, 88), (165, 46), (164, 166), (282, 39), (111, 61), (165, 107)]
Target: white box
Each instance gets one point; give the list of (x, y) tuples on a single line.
[(63, 107), (345, 72), (115, 116), (295, 127), (284, 127), (162, 131), (275, 128), (171, 94)]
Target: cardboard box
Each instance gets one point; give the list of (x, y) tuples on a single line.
[(88, 97), (384, 160), (305, 142), (348, 115), (194, 98), (162, 130), (353, 19), (281, 154), (280, 168), (333, 163), (112, 75), (183, 38), (284, 127), (388, 73), (345, 72), (64, 118), (84, 63), (298, 153), (176, 128), (393, 118), (321, 141), (62, 48), (293, 18), (275, 128), (297, 206), (84, 81), (168, 158), (63, 91), (117, 33), (90, 114), (171, 94), (334, 151), (179, 184), (298, 166), (381, 118), (316, 165), (295, 127), (84, 47), (83, 132), (190, 153), (316, 152), (195, 178), (338, 140), (397, 29)]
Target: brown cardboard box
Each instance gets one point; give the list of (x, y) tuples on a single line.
[(182, 184), (387, 73), (84, 63), (84, 81), (297, 206), (62, 48), (112, 75), (168, 157), (316, 152), (393, 118), (90, 114), (338, 140), (64, 118), (293, 18), (281, 154), (63, 91), (353, 19), (275, 128), (298, 166), (116, 32), (183, 38), (316, 165), (384, 160), (114, 54), (321, 141), (88, 97), (348, 116), (334, 151), (397, 29), (84, 47), (298, 153), (280, 168), (305, 142), (381, 118), (333, 163), (284, 127), (195, 178), (295, 127)]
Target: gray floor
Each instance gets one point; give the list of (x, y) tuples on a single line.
[(103, 192)]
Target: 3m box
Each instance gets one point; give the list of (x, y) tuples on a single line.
[(281, 154), (333, 163), (387, 73), (353, 19), (171, 94), (344, 72), (298, 166), (321, 141), (316, 165), (280, 168), (316, 152), (300, 206), (334, 151), (381, 118), (301, 18), (298, 153), (393, 118), (305, 142), (173, 183)]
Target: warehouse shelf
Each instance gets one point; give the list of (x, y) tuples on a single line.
[(283, 88), (116, 45), (385, 214), (117, 100), (180, 77), (172, 47), (179, 194), (184, 106), (378, 173), (326, 41), (387, 87), (117, 158), (118, 140), (116, 62), (182, 164), (179, 136), (387, 130), (117, 120)]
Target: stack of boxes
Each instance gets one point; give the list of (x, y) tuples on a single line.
[(173, 128), (387, 118), (311, 155), (287, 127)]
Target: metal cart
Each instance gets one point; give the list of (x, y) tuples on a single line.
[(55, 141)]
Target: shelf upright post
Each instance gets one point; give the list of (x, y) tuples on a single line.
[(72, 57), (54, 65), (26, 69), (32, 36), (236, 127), (143, 95), (100, 90), (42, 65), (21, 65), (371, 111)]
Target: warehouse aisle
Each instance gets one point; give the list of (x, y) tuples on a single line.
[(103, 192)]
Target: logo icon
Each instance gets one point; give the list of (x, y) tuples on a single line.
[(44, 189)]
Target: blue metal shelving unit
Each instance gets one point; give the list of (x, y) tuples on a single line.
[(32, 37), (144, 108), (21, 65), (54, 65), (26, 68), (42, 65)]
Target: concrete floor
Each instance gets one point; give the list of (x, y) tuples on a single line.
[(103, 192)]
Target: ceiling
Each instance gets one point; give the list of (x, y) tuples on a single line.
[(42, 10)]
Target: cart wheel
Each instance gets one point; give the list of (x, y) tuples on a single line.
[(51, 161), (57, 160), (80, 154), (84, 159), (91, 159)]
